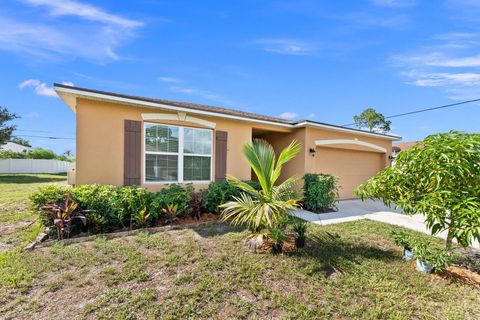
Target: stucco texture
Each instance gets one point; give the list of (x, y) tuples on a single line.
[(100, 146)]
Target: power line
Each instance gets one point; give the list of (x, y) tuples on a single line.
[(423, 110), (42, 131), (45, 137)]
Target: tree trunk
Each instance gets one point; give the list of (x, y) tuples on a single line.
[(449, 241)]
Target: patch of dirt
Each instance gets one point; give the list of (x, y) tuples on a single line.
[(205, 217), (460, 275)]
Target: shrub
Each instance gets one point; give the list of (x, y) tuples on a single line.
[(220, 192), (438, 178), (401, 239), (320, 192), (46, 195), (439, 259), (174, 194), (300, 228), (63, 214)]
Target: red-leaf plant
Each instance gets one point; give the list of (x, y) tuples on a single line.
[(63, 214)]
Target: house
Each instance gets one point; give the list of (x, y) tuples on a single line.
[(131, 140), (14, 147), (399, 147)]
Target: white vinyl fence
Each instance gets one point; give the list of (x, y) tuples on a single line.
[(34, 166)]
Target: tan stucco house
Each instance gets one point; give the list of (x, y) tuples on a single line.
[(126, 140)]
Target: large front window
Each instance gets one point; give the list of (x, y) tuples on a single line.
[(177, 154)]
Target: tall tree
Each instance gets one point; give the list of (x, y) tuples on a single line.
[(373, 120), (6, 130)]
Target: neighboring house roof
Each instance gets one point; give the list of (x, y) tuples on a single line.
[(69, 93), (403, 146), (15, 147)]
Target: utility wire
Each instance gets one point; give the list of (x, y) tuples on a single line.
[(423, 110), (45, 137), (42, 131)]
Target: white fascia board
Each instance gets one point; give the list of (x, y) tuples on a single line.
[(107, 97), (100, 96)]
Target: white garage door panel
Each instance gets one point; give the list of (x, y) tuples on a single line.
[(352, 167)]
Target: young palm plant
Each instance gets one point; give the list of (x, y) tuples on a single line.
[(262, 210)]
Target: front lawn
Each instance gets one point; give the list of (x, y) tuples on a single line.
[(16, 226), (349, 270)]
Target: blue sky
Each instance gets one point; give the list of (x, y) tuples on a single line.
[(322, 60)]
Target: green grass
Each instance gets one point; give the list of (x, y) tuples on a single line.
[(347, 271), (17, 223)]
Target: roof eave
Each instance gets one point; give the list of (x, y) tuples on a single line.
[(70, 94), (306, 123)]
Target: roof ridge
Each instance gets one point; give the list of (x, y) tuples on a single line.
[(197, 106)]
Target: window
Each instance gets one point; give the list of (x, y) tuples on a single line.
[(177, 154)]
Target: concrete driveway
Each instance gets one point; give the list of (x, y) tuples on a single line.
[(351, 210)]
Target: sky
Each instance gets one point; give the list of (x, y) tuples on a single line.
[(321, 60)]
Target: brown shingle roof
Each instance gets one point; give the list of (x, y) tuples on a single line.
[(220, 110), (195, 106)]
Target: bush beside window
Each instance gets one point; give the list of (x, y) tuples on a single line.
[(111, 208), (320, 192), (219, 193)]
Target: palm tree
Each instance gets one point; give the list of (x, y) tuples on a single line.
[(269, 207)]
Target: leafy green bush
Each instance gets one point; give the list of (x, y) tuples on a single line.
[(174, 194), (220, 192), (320, 192), (401, 239), (110, 207), (439, 259), (438, 178), (32, 154)]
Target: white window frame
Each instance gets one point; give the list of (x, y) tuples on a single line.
[(180, 155)]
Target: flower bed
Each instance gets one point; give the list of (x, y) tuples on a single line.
[(108, 208)]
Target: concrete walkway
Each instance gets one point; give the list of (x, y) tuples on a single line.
[(351, 210)]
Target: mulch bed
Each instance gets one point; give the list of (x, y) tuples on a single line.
[(183, 222), (460, 275)]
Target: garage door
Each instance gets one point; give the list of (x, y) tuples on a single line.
[(352, 167)]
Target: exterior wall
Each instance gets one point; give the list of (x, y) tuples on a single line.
[(313, 134), (279, 141), (352, 164), (100, 141)]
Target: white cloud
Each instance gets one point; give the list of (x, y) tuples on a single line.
[(41, 88), (85, 11), (311, 115), (444, 79), (285, 46), (177, 86), (192, 91), (451, 62), (395, 3), (169, 80), (95, 35), (32, 114), (289, 115)]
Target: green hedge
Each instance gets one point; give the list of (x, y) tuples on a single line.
[(111, 207), (320, 192), (220, 192)]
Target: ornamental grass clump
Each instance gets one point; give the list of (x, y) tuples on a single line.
[(268, 208)]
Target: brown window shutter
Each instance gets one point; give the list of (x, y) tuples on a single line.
[(132, 153), (220, 155)]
